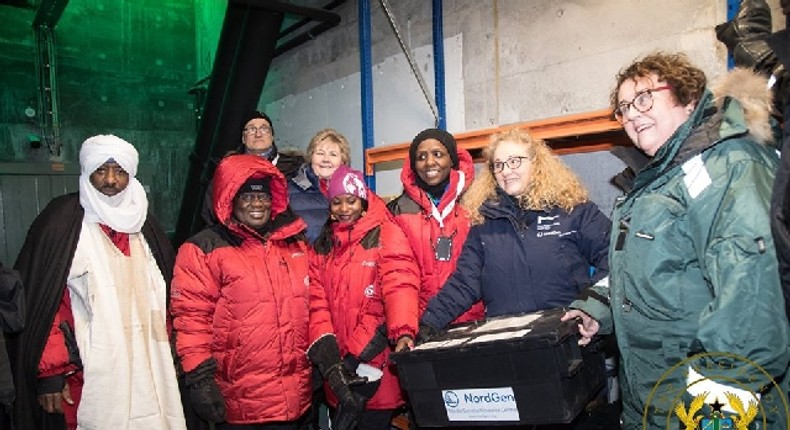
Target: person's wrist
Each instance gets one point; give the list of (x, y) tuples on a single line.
[(50, 384), (406, 336)]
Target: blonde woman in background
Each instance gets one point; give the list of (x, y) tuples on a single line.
[(327, 151)]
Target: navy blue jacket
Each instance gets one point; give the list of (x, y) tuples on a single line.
[(307, 200), (524, 261)]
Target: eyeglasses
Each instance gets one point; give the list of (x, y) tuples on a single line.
[(248, 198), (264, 129), (512, 162), (642, 102)]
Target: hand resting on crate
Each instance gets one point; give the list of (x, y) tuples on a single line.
[(588, 326)]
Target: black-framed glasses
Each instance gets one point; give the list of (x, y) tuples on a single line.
[(642, 102), (512, 162), (264, 129), (248, 198)]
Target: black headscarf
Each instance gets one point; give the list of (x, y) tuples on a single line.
[(446, 139)]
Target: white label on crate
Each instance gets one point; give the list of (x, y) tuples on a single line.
[(482, 404), (500, 336), (508, 323)]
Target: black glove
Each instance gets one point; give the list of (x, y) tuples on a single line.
[(350, 362), (348, 413), (745, 35), (427, 333), (325, 354), (204, 393)]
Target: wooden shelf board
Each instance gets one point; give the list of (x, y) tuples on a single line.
[(569, 134)]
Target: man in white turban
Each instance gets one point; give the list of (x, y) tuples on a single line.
[(95, 353)]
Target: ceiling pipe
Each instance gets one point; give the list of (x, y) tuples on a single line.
[(278, 6), (309, 34), (301, 23)]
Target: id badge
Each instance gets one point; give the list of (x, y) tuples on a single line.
[(444, 248)]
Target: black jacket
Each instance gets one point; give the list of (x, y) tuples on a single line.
[(12, 320)]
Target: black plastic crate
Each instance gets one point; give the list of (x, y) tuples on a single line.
[(502, 372)]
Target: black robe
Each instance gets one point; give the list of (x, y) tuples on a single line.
[(43, 264)]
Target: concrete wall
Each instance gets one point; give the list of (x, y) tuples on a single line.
[(507, 61)]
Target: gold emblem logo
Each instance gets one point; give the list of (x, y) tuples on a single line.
[(666, 407), (717, 420)]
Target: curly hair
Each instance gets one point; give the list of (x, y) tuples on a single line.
[(333, 136), (552, 184), (687, 81)]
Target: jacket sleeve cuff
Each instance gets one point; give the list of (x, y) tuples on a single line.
[(397, 333), (192, 361), (51, 384), (598, 311)]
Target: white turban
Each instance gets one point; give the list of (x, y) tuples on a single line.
[(126, 211)]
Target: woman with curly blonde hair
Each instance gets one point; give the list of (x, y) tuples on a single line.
[(536, 239), (552, 184)]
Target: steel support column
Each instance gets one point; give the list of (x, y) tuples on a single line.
[(366, 84)]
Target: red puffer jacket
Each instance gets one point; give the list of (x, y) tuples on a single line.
[(242, 298), (413, 211), (361, 275)]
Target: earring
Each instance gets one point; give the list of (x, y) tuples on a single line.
[(363, 213), (332, 217)]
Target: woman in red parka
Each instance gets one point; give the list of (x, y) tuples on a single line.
[(240, 303), (363, 299), (434, 177)]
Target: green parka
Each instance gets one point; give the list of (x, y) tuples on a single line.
[(693, 268)]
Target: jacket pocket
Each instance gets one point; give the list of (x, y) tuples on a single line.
[(657, 261)]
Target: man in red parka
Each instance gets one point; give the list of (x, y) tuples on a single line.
[(240, 303), (363, 292)]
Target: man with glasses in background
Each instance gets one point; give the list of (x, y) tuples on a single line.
[(257, 138)]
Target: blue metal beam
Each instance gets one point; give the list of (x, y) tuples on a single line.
[(438, 65), (366, 84), (732, 12)]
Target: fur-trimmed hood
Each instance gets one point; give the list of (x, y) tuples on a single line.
[(752, 93)]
